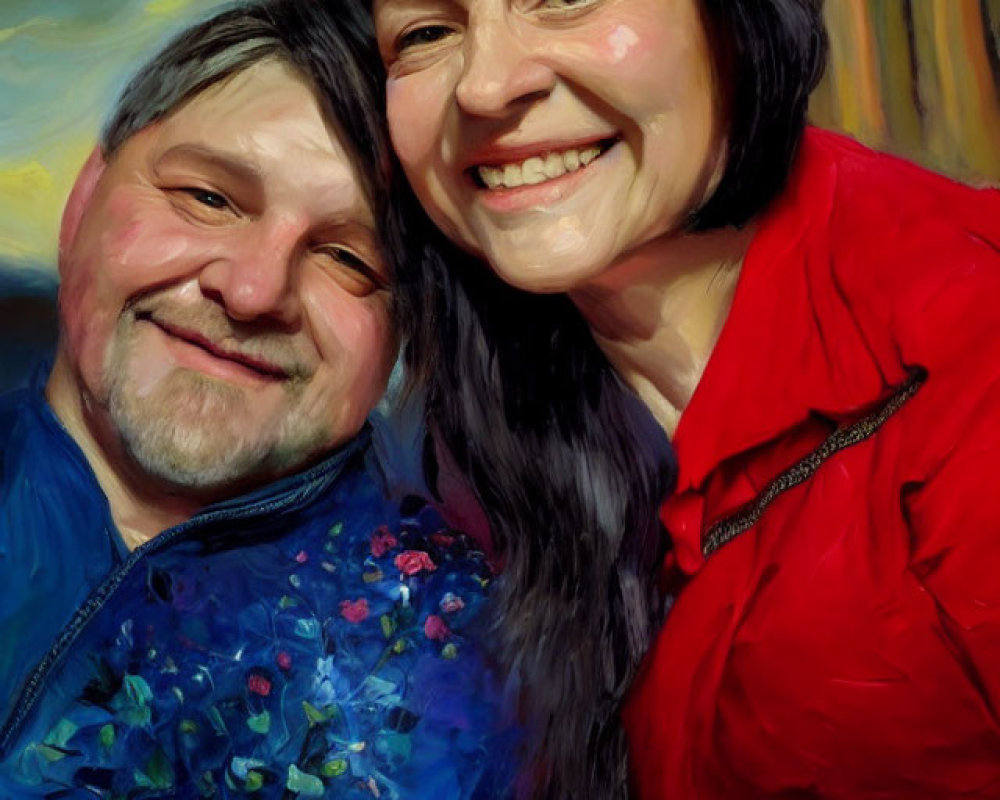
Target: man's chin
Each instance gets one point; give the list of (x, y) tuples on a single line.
[(193, 434), (197, 458)]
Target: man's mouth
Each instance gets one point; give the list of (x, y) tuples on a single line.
[(255, 364), (540, 168)]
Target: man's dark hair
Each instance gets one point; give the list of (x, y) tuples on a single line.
[(566, 461)]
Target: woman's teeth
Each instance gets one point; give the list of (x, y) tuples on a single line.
[(536, 169)]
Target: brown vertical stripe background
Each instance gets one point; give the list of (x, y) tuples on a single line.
[(920, 78)]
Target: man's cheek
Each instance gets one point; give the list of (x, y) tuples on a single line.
[(85, 327)]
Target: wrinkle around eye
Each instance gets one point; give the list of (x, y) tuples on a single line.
[(202, 205), (352, 272), (565, 9), (422, 36)]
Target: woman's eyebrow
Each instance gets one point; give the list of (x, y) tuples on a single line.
[(380, 6)]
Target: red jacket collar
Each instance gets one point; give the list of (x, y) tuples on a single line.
[(781, 355), (791, 345)]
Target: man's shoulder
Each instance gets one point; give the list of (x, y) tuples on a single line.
[(360, 630), (14, 401), (15, 409)]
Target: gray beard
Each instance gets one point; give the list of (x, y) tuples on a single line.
[(197, 433), (184, 433)]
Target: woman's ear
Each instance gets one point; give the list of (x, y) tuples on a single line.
[(79, 197)]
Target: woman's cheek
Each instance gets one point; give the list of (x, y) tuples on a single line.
[(621, 44), (418, 107), (634, 61), (412, 130)]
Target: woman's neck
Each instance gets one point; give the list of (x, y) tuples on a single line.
[(658, 313)]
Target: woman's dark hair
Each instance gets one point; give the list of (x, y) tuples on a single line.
[(773, 55), (567, 463)]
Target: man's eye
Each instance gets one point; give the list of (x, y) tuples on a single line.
[(358, 277), (565, 5), (207, 198), (425, 35)]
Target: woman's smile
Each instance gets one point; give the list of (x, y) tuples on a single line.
[(539, 182), (549, 164)]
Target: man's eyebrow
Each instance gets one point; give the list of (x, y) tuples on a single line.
[(215, 159), (352, 229)]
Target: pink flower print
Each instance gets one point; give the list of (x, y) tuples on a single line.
[(354, 610), (451, 603), (410, 562), (436, 629), (383, 541), (258, 684), (442, 539), (302, 557), (284, 660)]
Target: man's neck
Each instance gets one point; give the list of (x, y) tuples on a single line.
[(140, 511), (658, 313)]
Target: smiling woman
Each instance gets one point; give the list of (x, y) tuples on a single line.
[(654, 243), (643, 151)]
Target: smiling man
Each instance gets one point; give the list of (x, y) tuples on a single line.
[(224, 299), (204, 588)]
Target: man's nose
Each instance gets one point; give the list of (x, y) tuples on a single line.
[(502, 68), (256, 277)]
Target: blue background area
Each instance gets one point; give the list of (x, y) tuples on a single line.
[(28, 321)]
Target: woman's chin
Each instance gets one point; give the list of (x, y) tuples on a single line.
[(547, 262), (545, 278)]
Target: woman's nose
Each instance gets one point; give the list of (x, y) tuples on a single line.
[(501, 69)]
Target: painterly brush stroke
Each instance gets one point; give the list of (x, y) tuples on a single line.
[(918, 77), (61, 65)]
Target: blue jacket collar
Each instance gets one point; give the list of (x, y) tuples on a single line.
[(285, 495)]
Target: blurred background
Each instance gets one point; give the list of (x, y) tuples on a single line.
[(920, 78)]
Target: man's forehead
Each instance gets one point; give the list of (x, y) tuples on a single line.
[(267, 85), (263, 124)]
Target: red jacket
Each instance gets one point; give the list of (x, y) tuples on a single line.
[(842, 451)]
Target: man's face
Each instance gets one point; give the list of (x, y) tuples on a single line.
[(224, 299)]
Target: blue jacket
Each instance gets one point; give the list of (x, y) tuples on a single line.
[(304, 640)]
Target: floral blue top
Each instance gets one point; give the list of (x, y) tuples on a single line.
[(306, 641)]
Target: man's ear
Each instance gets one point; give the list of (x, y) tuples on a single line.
[(79, 197)]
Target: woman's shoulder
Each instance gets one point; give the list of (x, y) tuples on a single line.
[(914, 254), (883, 204)]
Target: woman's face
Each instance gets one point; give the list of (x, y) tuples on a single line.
[(553, 137)]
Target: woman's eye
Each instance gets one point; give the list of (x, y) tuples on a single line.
[(421, 36)]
